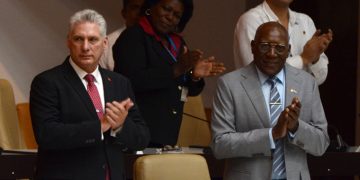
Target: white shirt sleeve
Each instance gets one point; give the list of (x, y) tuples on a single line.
[(320, 69), (107, 60), (244, 33)]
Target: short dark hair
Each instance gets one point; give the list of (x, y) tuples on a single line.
[(125, 3), (187, 14)]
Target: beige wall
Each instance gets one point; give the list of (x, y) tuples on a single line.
[(211, 30), (32, 35), (357, 127)]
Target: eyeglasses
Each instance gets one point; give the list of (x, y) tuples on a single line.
[(265, 47)]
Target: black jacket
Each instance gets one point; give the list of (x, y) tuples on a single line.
[(67, 128), (149, 66)]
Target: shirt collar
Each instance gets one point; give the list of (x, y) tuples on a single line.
[(263, 77), (272, 16), (81, 73), (146, 26), (175, 38)]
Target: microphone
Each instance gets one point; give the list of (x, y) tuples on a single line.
[(337, 145)]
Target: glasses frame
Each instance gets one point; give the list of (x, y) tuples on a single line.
[(265, 47)]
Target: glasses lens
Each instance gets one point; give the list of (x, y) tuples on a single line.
[(279, 48), (265, 47)]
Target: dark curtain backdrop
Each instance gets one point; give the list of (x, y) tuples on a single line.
[(338, 93)]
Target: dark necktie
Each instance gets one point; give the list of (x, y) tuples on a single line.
[(278, 169)]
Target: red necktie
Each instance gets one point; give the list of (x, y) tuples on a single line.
[(94, 95), (95, 98)]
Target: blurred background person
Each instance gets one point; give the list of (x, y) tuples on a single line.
[(131, 14), (163, 71), (307, 43)]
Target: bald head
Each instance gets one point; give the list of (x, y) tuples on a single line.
[(270, 47), (271, 27)]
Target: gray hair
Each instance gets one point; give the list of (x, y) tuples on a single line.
[(89, 15)]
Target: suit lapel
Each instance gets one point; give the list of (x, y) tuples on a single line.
[(107, 83), (292, 84), (251, 84), (161, 51), (74, 81)]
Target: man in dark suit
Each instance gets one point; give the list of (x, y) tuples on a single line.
[(84, 116), (268, 115)]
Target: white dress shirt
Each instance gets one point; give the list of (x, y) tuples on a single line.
[(301, 28), (100, 87)]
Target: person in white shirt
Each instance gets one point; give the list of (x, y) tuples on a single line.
[(131, 15), (307, 43)]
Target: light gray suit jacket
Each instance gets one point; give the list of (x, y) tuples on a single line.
[(240, 125)]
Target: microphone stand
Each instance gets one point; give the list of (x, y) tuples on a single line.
[(341, 145)]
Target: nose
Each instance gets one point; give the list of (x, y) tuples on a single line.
[(85, 45), (171, 17), (272, 51)]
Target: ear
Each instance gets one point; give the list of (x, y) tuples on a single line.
[(253, 46), (289, 48), (106, 42)]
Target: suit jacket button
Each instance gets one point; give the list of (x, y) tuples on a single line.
[(180, 88), (103, 166), (174, 112)]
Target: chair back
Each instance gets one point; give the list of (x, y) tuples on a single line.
[(23, 112), (171, 166), (194, 131), (10, 137)]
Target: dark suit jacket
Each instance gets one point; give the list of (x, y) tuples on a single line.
[(148, 65), (68, 129)]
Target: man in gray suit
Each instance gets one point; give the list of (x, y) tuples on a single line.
[(268, 115)]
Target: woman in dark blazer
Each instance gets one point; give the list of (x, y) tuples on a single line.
[(162, 70)]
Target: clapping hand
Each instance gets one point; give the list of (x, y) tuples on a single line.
[(315, 46), (288, 120), (115, 114), (207, 67)]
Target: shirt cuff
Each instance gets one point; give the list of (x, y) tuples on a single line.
[(114, 132)]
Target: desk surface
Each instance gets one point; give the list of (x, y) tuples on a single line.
[(18, 166)]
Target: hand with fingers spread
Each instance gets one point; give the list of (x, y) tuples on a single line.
[(315, 46), (116, 113), (207, 67), (217, 68), (187, 60)]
